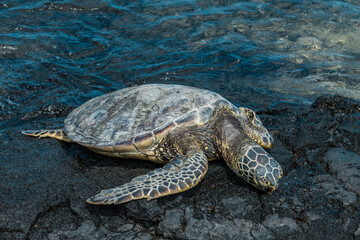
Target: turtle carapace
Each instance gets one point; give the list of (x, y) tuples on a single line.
[(179, 126)]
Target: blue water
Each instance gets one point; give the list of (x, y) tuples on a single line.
[(55, 55)]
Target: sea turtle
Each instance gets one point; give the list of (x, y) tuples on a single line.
[(179, 126)]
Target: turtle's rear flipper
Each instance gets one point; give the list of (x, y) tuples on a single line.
[(58, 134), (181, 174)]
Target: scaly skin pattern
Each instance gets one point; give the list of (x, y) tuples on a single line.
[(254, 128), (181, 139), (244, 156), (189, 162), (259, 169), (180, 174), (186, 169), (58, 134), (179, 126), (129, 123)]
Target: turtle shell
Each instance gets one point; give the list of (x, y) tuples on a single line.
[(134, 119)]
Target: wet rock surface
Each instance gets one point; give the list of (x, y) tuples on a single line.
[(44, 185)]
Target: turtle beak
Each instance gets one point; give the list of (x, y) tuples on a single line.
[(267, 186), (267, 141), (266, 145), (271, 189)]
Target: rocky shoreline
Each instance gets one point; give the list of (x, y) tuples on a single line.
[(44, 185)]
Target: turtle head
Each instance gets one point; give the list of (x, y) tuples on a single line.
[(241, 153), (254, 128), (259, 169)]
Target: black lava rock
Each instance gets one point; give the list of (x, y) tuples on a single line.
[(44, 184)]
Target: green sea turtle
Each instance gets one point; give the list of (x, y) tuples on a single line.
[(179, 126)]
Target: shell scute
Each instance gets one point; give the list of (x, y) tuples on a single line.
[(189, 118), (220, 103), (144, 141), (163, 129), (119, 120), (124, 146), (206, 112)]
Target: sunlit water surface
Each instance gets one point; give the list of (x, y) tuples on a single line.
[(55, 55)]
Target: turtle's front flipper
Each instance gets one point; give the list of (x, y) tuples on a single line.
[(181, 174), (58, 134)]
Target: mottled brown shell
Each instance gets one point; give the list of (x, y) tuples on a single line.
[(134, 119)]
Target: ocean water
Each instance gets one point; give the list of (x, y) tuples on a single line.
[(55, 55)]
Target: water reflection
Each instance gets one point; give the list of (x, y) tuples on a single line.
[(253, 52)]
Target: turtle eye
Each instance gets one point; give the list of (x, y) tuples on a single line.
[(251, 115)]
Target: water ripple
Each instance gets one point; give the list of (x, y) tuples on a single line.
[(58, 54)]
